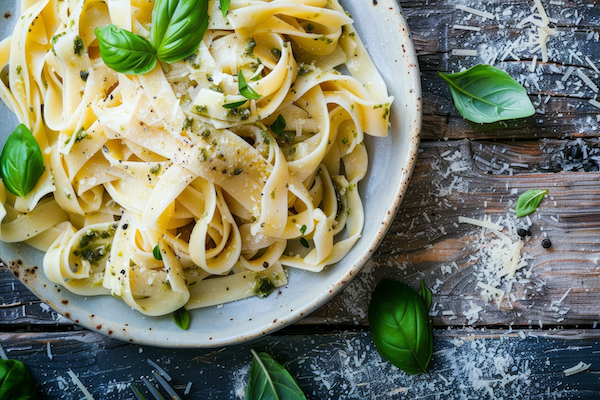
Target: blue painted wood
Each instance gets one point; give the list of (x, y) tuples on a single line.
[(467, 364)]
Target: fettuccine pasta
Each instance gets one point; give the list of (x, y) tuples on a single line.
[(154, 192)]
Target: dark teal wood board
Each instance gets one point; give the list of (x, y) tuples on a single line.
[(467, 364)]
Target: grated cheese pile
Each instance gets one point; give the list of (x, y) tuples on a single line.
[(497, 259)]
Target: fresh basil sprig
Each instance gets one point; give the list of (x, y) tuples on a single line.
[(486, 94), (125, 52), (270, 381), (246, 90), (182, 318), (177, 30), (21, 162), (15, 381), (224, 6), (400, 326), (178, 27), (529, 201)]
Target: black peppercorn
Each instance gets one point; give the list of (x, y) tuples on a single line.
[(521, 232), (546, 243)]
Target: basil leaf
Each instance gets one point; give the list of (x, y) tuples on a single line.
[(529, 201), (235, 105), (278, 126), (246, 90), (15, 381), (182, 318), (425, 294), (156, 253), (21, 162), (125, 52), (400, 326), (270, 381), (224, 6), (178, 27), (486, 94)]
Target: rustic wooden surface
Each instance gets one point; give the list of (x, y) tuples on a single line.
[(466, 365), (463, 169)]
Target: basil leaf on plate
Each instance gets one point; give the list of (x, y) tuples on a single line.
[(277, 127), (224, 6), (182, 318), (529, 201), (235, 105), (21, 162), (400, 326), (15, 381), (125, 52), (246, 90), (178, 27), (156, 253), (270, 381), (486, 94)]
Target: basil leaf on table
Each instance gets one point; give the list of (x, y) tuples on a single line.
[(246, 90), (425, 294), (529, 201), (21, 162), (400, 326), (125, 52), (178, 27), (15, 381), (270, 381), (485, 94), (182, 318)]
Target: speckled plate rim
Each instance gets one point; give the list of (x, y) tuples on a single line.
[(408, 101)]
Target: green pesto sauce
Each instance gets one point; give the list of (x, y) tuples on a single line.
[(264, 287), (78, 46), (91, 251), (287, 136), (249, 49)]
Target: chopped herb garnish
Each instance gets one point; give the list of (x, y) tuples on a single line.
[(246, 90), (84, 75), (304, 242), (156, 253), (235, 105), (279, 125), (78, 46), (276, 53), (303, 229)]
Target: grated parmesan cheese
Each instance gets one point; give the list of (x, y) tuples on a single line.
[(464, 52), (577, 369), (587, 80), (476, 222), (473, 11), (80, 385)]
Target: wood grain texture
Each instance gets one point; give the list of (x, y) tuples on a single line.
[(338, 365), (566, 113), (426, 239)]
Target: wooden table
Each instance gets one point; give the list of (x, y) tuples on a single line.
[(517, 349)]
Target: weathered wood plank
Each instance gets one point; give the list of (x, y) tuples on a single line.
[(425, 241), (344, 365), (565, 113)]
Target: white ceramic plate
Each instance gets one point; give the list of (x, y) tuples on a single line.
[(383, 29)]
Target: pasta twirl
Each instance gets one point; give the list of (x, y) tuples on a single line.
[(164, 161)]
